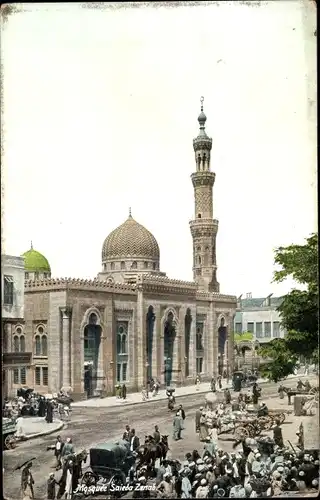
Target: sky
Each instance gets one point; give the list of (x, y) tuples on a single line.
[(100, 110)]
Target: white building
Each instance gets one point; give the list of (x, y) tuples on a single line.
[(14, 358), (12, 288), (260, 317)]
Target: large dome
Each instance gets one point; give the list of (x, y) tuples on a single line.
[(35, 261), (129, 240)]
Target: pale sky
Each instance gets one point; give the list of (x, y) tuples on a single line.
[(100, 110)]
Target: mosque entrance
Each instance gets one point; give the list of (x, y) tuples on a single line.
[(169, 338), (92, 340)]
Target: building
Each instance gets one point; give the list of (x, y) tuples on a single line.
[(256, 322), (15, 359), (132, 322)]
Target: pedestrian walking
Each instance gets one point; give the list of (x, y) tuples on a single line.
[(49, 415), (51, 487), (177, 422), (198, 417), (220, 382), (58, 451), (277, 434), (27, 482)]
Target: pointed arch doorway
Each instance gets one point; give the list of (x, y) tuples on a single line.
[(91, 345)]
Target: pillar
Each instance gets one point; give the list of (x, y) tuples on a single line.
[(215, 344), (158, 346), (154, 355), (210, 344), (66, 344), (77, 358), (177, 349), (100, 369), (108, 348), (141, 342), (193, 345), (231, 344)]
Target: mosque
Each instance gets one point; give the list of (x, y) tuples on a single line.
[(131, 322)]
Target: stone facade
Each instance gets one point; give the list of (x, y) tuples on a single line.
[(63, 308), (133, 323)]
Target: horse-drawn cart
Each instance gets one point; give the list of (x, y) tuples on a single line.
[(8, 433), (109, 463)]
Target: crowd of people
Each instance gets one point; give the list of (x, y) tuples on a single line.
[(256, 468), (259, 466)]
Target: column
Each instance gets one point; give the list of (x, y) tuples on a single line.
[(66, 358), (192, 349), (176, 365), (182, 359), (159, 345), (109, 348), (141, 342), (77, 351), (154, 364), (210, 344), (100, 369), (231, 344), (215, 344)]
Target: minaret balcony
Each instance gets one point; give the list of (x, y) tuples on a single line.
[(204, 227)]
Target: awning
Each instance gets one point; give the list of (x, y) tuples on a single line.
[(9, 279)]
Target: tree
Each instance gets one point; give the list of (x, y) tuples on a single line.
[(282, 361), (299, 308)]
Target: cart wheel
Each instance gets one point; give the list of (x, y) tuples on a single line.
[(264, 423), (9, 442), (241, 433), (89, 479), (313, 390)]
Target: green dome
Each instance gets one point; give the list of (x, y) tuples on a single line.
[(35, 262)]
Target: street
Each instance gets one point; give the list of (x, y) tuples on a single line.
[(90, 426)]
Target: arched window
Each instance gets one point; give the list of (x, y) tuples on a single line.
[(199, 260), (134, 265), (123, 265), (22, 343), (36, 276), (154, 266), (19, 341), (37, 345), (122, 339), (26, 276), (40, 342), (16, 343), (44, 345), (199, 216), (112, 266), (146, 265)]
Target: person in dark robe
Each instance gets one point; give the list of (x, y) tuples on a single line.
[(51, 487), (156, 435), (27, 482), (42, 407), (255, 394), (213, 384), (49, 415), (227, 396), (220, 382), (124, 392), (127, 433), (277, 434)]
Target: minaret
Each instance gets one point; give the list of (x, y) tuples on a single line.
[(204, 227)]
